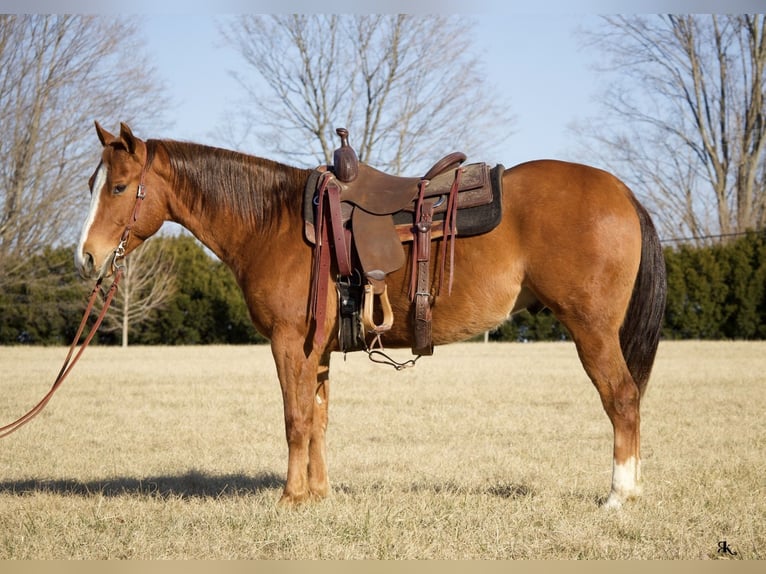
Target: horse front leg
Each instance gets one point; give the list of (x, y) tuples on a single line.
[(305, 396), (319, 484)]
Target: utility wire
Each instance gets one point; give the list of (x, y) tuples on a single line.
[(698, 237)]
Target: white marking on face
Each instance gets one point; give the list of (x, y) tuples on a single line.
[(95, 193)]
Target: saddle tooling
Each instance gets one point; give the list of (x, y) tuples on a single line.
[(365, 217)]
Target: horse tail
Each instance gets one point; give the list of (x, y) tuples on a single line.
[(640, 331)]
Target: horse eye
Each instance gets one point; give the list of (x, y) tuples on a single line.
[(118, 189)]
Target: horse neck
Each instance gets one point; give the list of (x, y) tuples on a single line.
[(227, 200)]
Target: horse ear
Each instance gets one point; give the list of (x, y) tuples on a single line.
[(127, 136), (104, 136)]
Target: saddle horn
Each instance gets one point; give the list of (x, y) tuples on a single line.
[(345, 161)]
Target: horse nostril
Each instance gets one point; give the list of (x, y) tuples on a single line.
[(86, 265)]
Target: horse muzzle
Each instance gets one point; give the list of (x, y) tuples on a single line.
[(87, 267)]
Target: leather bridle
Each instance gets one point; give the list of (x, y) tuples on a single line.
[(119, 251), (118, 268)]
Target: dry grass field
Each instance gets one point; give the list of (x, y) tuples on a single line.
[(492, 451)]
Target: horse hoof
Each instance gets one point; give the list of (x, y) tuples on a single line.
[(319, 493), (613, 502), (292, 500)]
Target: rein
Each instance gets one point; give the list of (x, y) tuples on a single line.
[(118, 268), (70, 362)]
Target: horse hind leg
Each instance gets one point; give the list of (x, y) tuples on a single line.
[(604, 363)]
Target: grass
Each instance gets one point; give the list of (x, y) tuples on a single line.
[(496, 451)]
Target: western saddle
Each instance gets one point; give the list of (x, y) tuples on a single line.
[(364, 216)]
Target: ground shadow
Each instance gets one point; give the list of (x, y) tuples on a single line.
[(500, 490), (511, 491), (193, 484), (197, 484)]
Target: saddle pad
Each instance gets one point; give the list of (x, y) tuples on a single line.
[(482, 212)]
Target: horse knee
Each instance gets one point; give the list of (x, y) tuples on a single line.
[(297, 430)]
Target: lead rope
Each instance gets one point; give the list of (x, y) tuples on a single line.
[(69, 362)]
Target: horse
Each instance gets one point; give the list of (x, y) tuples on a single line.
[(572, 238)]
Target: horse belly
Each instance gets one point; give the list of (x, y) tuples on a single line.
[(486, 283)]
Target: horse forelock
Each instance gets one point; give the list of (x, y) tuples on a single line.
[(258, 191)]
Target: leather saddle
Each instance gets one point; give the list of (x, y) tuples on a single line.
[(365, 216)]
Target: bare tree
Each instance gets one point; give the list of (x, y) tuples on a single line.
[(685, 119), (147, 285), (57, 74), (407, 87)]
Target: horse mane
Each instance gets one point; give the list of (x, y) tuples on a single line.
[(257, 190)]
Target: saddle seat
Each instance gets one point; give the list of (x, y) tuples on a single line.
[(365, 216), (380, 193)]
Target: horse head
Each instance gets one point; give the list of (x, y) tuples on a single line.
[(113, 228)]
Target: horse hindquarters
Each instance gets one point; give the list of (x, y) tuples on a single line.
[(583, 238)]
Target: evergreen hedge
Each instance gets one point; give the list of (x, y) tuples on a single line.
[(715, 292)]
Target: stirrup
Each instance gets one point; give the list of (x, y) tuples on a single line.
[(388, 313)]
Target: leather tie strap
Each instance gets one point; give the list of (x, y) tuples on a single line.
[(330, 221), (339, 237), (321, 274), (421, 260), (449, 234)]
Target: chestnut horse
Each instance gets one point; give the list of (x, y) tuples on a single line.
[(572, 238)]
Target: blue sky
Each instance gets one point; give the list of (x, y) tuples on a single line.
[(535, 61), (531, 48)]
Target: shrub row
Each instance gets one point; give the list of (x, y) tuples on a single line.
[(715, 292)]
